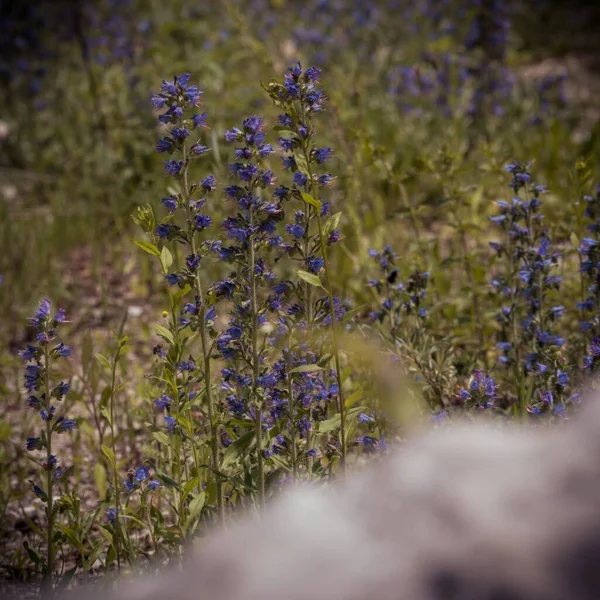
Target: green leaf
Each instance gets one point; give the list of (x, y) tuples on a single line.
[(335, 421), (309, 278), (93, 556), (66, 579), (33, 555), (105, 413), (161, 437), (147, 247), (312, 201), (189, 486), (100, 479), (302, 164), (323, 361), (106, 534), (177, 297), (306, 369), (105, 397), (573, 239), (353, 312), (103, 360), (166, 258), (168, 481), (331, 224), (196, 505), (235, 450), (109, 454), (164, 333), (278, 462)]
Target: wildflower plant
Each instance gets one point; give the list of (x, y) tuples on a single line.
[(188, 383), (528, 343), (589, 252), (251, 234), (300, 99), (401, 318), (44, 394)]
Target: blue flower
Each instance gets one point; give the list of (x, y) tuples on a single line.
[(63, 425), (208, 183), (30, 353), (164, 145), (142, 473), (170, 204), (199, 120), (163, 402), (174, 167), (202, 221), (33, 443), (314, 264), (322, 154), (62, 350), (33, 378), (233, 135), (111, 515), (300, 178), (170, 423), (296, 231)]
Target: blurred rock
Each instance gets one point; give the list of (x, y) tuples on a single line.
[(471, 513)]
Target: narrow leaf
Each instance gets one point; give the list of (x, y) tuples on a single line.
[(312, 201), (309, 278), (164, 333), (147, 247), (306, 369)]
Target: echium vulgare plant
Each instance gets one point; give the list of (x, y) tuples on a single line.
[(247, 379), (300, 99), (528, 342), (401, 319), (188, 383), (589, 251), (43, 393)]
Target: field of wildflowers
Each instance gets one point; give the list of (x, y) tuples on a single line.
[(330, 220)]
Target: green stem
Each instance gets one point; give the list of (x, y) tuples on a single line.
[(114, 451), (291, 410), (206, 349), (255, 366), (47, 583), (329, 290)]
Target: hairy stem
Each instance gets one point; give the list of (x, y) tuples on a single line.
[(206, 349), (334, 336), (255, 365), (47, 583)]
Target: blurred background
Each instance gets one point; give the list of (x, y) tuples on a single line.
[(485, 80)]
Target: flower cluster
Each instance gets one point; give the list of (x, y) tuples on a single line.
[(139, 479), (398, 302), (589, 252), (178, 103), (528, 340), (43, 396), (480, 393)]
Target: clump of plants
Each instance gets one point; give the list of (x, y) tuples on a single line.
[(256, 380)]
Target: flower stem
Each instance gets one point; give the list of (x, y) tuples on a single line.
[(255, 366), (114, 451), (329, 289), (291, 411), (206, 349), (47, 584)]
